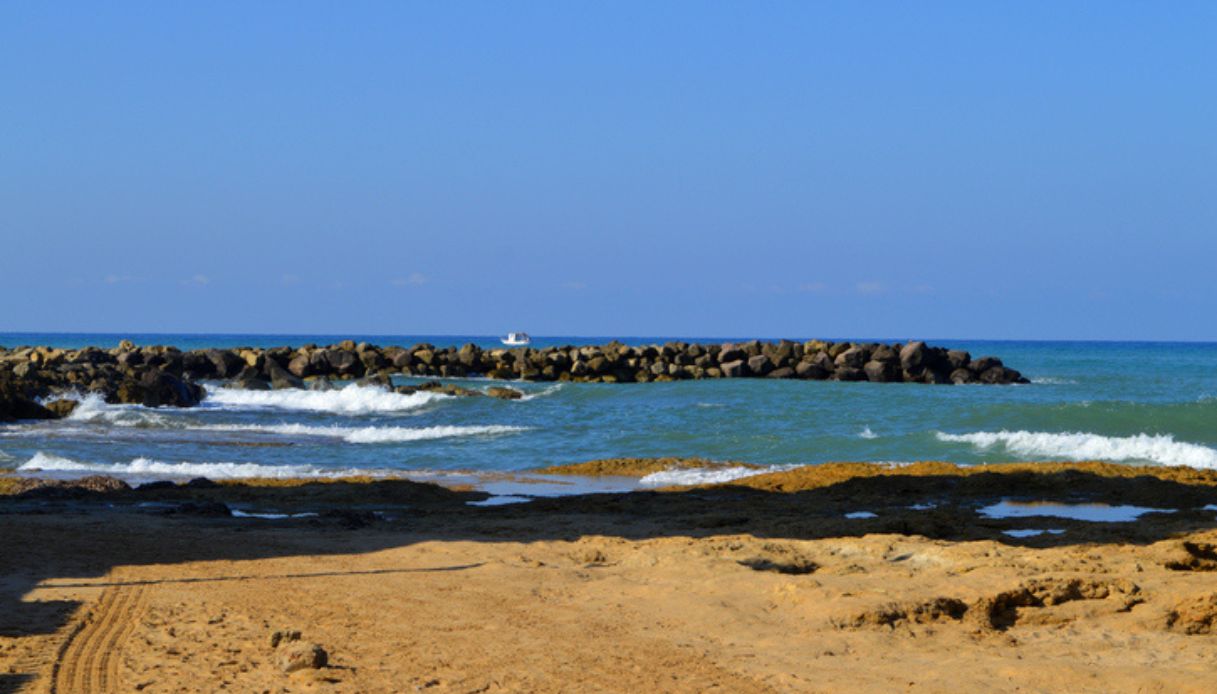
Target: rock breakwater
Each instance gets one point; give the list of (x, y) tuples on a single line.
[(166, 376)]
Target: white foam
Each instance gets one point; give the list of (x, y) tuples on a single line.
[(350, 400), (1053, 381), (859, 515), (145, 468), (668, 478), (1160, 448), (867, 434), (367, 434), (540, 393), (93, 408)]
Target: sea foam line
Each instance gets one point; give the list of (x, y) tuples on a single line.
[(350, 400), (145, 467), (1157, 448), (667, 478), (367, 434)]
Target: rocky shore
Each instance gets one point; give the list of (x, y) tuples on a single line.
[(158, 375), (846, 577)]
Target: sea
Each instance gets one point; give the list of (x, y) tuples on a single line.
[(1136, 403)]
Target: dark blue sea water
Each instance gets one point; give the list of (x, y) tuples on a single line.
[(1137, 403)]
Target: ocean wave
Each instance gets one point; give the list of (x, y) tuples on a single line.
[(145, 467), (1157, 448), (668, 478), (867, 434), (93, 408), (541, 393), (1053, 381), (367, 434), (350, 400)]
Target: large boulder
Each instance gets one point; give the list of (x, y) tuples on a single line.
[(849, 373), (302, 656), (962, 376), (983, 364), (300, 365), (373, 360), (780, 353), (155, 388), (958, 359), (197, 365), (63, 407), (227, 364), (881, 371), (854, 358), (130, 360), (280, 377), (730, 352), (15, 403), (760, 365), (782, 372), (403, 359), (734, 369), (812, 369), (344, 362), (912, 357)]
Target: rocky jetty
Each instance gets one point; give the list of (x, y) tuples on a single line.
[(157, 376)]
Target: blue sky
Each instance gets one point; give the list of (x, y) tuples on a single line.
[(984, 170)]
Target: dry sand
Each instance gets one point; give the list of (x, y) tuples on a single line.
[(759, 586)]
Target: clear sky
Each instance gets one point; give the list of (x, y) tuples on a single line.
[(985, 170)]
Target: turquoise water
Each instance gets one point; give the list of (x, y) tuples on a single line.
[(1126, 402)]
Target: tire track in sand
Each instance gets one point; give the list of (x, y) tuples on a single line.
[(88, 659)]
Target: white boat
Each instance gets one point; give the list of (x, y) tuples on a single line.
[(516, 339)]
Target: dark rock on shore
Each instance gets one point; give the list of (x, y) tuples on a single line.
[(68, 489), (156, 388), (16, 403), (62, 408)]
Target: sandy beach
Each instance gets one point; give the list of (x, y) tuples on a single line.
[(848, 577)]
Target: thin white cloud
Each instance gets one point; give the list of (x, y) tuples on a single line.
[(414, 279), (575, 286), (199, 280), (869, 288), (290, 279), (118, 279), (813, 287)]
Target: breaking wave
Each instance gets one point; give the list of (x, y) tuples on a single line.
[(368, 434), (1159, 448), (93, 408), (351, 400), (144, 467)]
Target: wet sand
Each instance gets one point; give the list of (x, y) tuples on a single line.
[(759, 585)]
